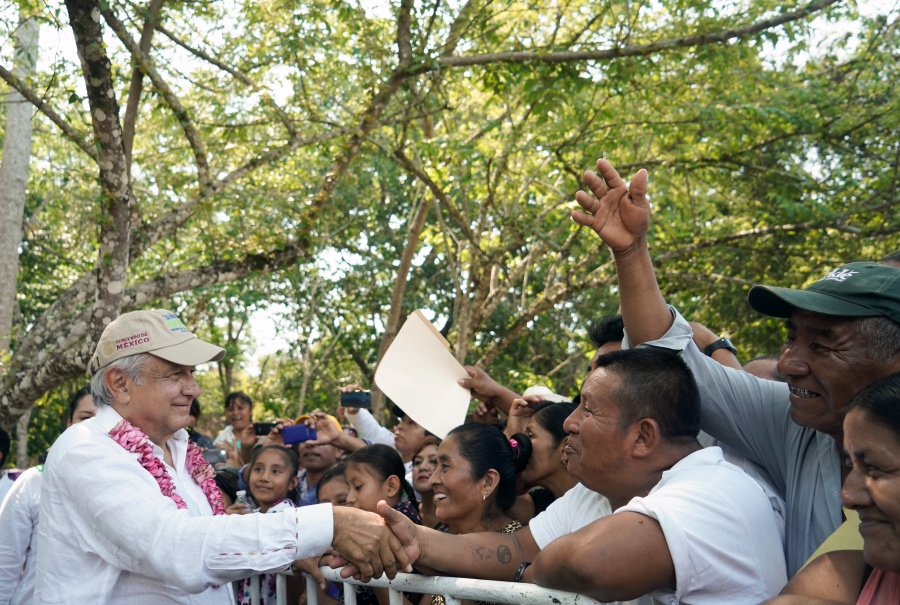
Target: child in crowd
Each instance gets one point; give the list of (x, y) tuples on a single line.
[(333, 487), (376, 472), (273, 483)]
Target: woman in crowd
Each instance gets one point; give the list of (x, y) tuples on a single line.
[(425, 460), (545, 472), (872, 488), (238, 437), (475, 480)]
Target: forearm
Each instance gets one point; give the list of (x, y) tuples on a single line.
[(487, 556), (644, 310), (503, 398), (369, 428), (348, 443)]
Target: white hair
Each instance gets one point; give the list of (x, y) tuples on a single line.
[(132, 366)]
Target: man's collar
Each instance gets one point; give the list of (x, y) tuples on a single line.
[(107, 417)]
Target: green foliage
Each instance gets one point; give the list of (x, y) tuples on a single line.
[(772, 157)]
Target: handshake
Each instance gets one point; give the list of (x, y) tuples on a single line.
[(367, 545)]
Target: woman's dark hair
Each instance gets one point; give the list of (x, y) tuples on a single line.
[(227, 481), (290, 457), (551, 416), (238, 395), (384, 461), (485, 447), (74, 399), (881, 401)]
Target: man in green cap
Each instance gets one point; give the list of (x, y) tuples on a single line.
[(843, 334)]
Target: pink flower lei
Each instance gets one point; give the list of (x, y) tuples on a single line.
[(136, 441)]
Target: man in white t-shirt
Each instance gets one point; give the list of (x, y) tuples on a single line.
[(656, 516), (130, 512)]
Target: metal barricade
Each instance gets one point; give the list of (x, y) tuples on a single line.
[(454, 590)]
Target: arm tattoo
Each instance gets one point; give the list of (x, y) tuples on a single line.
[(504, 555)]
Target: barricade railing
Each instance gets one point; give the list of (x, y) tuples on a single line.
[(454, 590)]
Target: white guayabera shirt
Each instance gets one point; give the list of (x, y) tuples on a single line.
[(108, 535)]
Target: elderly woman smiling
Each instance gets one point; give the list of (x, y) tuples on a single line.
[(872, 488), (475, 480)]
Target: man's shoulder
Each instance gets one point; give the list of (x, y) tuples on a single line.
[(704, 481), (579, 503), (85, 438)]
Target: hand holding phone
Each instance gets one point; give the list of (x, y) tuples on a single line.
[(215, 456), (298, 433), (263, 428), (357, 399)]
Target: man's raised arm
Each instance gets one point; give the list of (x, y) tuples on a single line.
[(620, 215)]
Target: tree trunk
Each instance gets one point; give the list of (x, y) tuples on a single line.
[(13, 183), (14, 174), (112, 267), (22, 439), (413, 232)]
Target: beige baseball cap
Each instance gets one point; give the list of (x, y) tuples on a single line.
[(155, 331)]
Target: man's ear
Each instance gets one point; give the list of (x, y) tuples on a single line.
[(117, 384), (393, 485), (646, 436)]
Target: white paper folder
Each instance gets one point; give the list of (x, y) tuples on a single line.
[(419, 373)]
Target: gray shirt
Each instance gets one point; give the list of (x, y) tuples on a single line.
[(752, 416)]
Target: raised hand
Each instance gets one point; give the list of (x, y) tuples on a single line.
[(520, 413), (617, 212)]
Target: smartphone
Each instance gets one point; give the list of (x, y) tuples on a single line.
[(357, 399), (298, 433), (215, 456), (263, 428)]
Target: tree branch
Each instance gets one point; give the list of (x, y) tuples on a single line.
[(80, 139), (639, 50), (137, 78), (181, 114)]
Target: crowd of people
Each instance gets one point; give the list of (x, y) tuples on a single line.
[(675, 475)]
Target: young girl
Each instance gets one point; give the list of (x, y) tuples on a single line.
[(376, 472), (272, 482), (333, 487)]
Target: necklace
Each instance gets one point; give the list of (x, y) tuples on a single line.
[(136, 441)]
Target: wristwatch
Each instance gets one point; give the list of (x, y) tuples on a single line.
[(722, 343)]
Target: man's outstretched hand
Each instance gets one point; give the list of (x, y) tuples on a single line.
[(619, 213), (402, 532), (365, 542)]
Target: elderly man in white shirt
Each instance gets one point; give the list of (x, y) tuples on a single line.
[(130, 512)]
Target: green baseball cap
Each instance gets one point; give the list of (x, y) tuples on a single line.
[(864, 289)]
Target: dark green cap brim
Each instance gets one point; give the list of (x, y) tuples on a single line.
[(782, 302)]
